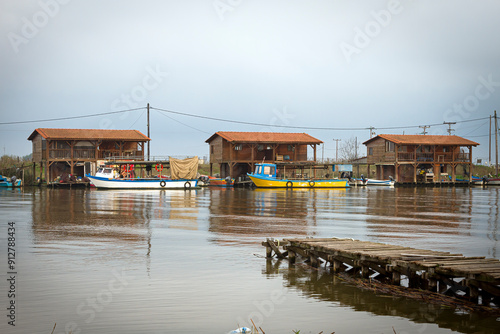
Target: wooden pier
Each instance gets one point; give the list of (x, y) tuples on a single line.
[(475, 278)]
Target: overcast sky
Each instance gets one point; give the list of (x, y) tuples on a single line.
[(317, 63)]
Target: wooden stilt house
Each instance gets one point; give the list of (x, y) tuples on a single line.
[(420, 158), (236, 153), (77, 151)]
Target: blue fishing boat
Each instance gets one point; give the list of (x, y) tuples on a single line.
[(9, 183)]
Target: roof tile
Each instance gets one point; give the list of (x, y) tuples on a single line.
[(266, 137), (89, 134)]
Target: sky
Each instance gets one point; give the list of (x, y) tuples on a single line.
[(331, 69)]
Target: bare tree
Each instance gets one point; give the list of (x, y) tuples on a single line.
[(348, 150)]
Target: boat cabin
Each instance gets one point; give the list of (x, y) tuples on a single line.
[(268, 170), (107, 172)]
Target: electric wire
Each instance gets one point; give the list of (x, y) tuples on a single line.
[(235, 121), (70, 117)]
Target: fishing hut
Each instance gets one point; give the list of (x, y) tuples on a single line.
[(72, 153), (236, 153), (420, 159), (476, 279)]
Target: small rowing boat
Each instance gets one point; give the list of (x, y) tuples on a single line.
[(265, 177), (373, 182)]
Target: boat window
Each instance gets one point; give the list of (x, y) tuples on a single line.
[(258, 169), (108, 171), (269, 170), (100, 170)]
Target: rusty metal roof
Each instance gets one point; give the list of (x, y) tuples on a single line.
[(265, 137), (89, 134), (425, 140)]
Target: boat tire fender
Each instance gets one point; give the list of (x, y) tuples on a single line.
[(162, 183), (187, 185), (311, 183), (289, 184)]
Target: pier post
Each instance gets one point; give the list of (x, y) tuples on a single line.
[(432, 284), (365, 271), (269, 250), (291, 256), (337, 266), (396, 278)]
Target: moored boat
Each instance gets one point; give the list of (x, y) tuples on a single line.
[(373, 182), (9, 182), (182, 173), (265, 177), (216, 181), (141, 183)]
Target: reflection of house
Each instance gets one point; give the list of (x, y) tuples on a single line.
[(238, 152), (419, 158), (76, 151)]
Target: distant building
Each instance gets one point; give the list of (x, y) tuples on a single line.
[(77, 151), (236, 153), (419, 158)]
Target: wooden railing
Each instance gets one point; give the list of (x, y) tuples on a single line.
[(433, 157)]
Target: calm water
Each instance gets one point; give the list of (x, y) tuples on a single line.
[(191, 262)]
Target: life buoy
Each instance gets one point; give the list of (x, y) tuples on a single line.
[(311, 183), (187, 185), (129, 169), (289, 184), (159, 167), (162, 183)]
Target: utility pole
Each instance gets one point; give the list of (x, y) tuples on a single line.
[(337, 149), (149, 141), (424, 127), (489, 156), (372, 133), (496, 143), (449, 127)]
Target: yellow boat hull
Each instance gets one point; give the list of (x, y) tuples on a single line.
[(264, 182)]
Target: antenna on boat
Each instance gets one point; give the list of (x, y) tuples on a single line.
[(263, 159)]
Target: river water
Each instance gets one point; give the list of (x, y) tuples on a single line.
[(94, 261)]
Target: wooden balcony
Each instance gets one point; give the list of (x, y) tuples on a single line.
[(432, 157)]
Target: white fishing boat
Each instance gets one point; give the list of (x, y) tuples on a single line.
[(183, 173), (142, 183), (387, 183)]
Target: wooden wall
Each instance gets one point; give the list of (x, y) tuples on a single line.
[(379, 153), (222, 151), (37, 149)]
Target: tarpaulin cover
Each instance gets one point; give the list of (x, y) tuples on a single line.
[(183, 169)]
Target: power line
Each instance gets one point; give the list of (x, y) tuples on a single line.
[(70, 117), (186, 125), (371, 128), (302, 127)]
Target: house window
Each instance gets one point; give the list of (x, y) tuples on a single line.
[(260, 147), (389, 146), (370, 151), (212, 149), (291, 148), (238, 147)]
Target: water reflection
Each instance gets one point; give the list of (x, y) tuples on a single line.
[(322, 285)]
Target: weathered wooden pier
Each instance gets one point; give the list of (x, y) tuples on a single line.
[(475, 278)]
